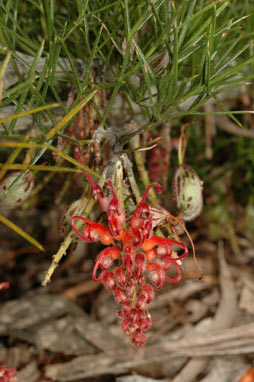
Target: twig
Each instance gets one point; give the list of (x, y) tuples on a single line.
[(86, 209), (134, 143), (224, 123), (239, 340), (84, 287), (180, 293)]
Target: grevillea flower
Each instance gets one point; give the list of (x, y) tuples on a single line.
[(133, 255), (8, 375)]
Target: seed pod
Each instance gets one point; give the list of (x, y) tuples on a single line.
[(187, 192), (18, 193)]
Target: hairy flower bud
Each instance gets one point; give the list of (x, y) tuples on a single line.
[(109, 281), (125, 325), (146, 323), (8, 375), (120, 276), (120, 295), (141, 302), (148, 292), (138, 339), (139, 264), (156, 274)]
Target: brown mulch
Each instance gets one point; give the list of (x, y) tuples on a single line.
[(68, 331)]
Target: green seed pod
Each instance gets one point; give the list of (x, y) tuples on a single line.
[(187, 192), (10, 199)]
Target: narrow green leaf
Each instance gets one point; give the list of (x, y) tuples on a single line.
[(91, 58), (70, 115), (30, 75), (20, 232), (28, 112), (4, 65)]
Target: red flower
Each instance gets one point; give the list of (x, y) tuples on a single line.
[(132, 253), (7, 375)]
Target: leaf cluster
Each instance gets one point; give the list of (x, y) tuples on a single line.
[(169, 58)]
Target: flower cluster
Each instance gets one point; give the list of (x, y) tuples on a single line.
[(7, 375), (132, 255)]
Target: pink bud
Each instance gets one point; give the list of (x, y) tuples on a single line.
[(126, 306), (165, 262), (138, 339), (4, 285), (97, 192), (107, 257), (129, 291), (141, 302), (104, 203), (151, 254), (8, 375), (125, 325), (120, 296), (134, 316), (139, 264), (156, 274), (148, 292), (109, 281), (120, 276), (146, 323), (136, 222), (104, 261), (116, 215), (164, 249), (90, 234)]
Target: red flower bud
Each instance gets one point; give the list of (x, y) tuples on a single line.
[(136, 222), (109, 281), (8, 375), (125, 325), (129, 291), (120, 276), (156, 274), (105, 261), (4, 285), (148, 292), (120, 295), (146, 323), (97, 192), (142, 208), (126, 306), (138, 339), (91, 234), (116, 215), (151, 254), (104, 202), (165, 262), (139, 264), (141, 302), (163, 245)]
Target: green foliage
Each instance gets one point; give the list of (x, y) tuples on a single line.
[(167, 57), (207, 45)]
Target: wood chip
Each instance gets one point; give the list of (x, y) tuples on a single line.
[(239, 340)]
